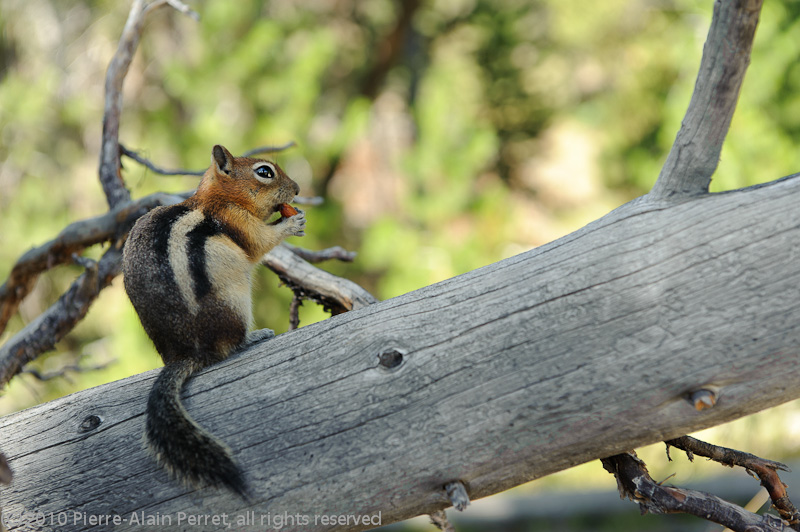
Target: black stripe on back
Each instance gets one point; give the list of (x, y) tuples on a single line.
[(195, 249), (162, 227), (236, 235)]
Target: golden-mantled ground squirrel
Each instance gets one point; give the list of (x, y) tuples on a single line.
[(187, 270)]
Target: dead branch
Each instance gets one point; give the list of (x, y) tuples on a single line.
[(671, 500), (183, 171), (766, 470), (110, 167), (294, 312), (335, 299), (178, 6), (147, 163), (321, 255), (269, 149), (695, 153), (45, 331), (335, 294), (635, 483), (64, 370), (440, 521), (73, 239)]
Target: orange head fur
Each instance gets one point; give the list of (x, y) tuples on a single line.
[(253, 185)]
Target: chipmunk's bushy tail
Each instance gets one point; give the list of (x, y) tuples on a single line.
[(179, 444)]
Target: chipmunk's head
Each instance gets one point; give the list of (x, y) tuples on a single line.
[(254, 184)]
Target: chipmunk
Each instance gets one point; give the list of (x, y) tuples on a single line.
[(187, 270)]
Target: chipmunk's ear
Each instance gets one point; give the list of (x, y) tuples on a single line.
[(222, 158)]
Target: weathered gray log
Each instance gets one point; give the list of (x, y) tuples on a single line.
[(577, 350)]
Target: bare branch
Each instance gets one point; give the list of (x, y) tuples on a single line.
[(62, 372), (109, 171), (269, 149), (178, 6), (766, 470), (183, 171), (695, 153), (440, 521), (635, 483), (52, 325), (156, 169), (314, 257), (294, 312), (335, 294), (110, 177), (72, 239)]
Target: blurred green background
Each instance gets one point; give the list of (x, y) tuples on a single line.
[(444, 135)]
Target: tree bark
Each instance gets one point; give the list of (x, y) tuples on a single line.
[(580, 349)]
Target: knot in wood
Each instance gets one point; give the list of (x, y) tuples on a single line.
[(89, 423), (457, 494), (391, 359), (703, 398)]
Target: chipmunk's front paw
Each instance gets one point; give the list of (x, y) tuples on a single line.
[(295, 225)]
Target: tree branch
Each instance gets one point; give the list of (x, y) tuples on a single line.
[(73, 239), (182, 171), (147, 163), (766, 470), (335, 294), (635, 483), (64, 370), (294, 312), (269, 149), (440, 521), (178, 6), (44, 332), (695, 153), (322, 255), (109, 171)]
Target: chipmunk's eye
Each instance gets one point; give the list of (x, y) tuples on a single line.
[(265, 172)]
